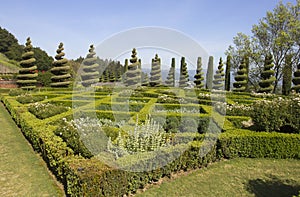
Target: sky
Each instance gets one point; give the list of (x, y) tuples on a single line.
[(210, 23)]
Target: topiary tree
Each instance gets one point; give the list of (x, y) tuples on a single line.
[(199, 74), (227, 73), (218, 82), (241, 78), (267, 75), (90, 74), (61, 71), (296, 79), (210, 73), (171, 75), (27, 75), (155, 74), (287, 75), (133, 75), (184, 76)]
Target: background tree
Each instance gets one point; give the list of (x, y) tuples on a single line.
[(241, 77), (171, 75), (27, 75), (210, 73), (90, 67), (133, 75), (267, 75), (43, 60), (287, 75), (218, 82), (183, 73), (145, 79), (296, 79), (199, 74), (9, 45), (227, 73), (155, 74)]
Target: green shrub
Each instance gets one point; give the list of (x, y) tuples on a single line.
[(29, 98), (46, 110), (16, 92)]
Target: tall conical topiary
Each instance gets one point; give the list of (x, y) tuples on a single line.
[(90, 67), (133, 75), (61, 76), (199, 74), (287, 75), (155, 74), (218, 82), (171, 75), (210, 73), (296, 79), (227, 73), (184, 76), (27, 76), (241, 78), (267, 75)]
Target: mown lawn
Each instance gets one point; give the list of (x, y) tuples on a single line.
[(238, 177), (22, 171)]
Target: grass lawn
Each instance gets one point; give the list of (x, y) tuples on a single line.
[(238, 177), (22, 171)]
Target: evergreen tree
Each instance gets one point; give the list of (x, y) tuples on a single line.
[(218, 82), (155, 74), (267, 75), (241, 78), (287, 75), (199, 74), (171, 75), (133, 75), (296, 79), (27, 75), (90, 67), (145, 79), (61, 70), (184, 77), (210, 73), (247, 64), (227, 73), (125, 71)]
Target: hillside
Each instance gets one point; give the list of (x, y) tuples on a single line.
[(6, 66)]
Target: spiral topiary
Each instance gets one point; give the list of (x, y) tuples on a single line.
[(133, 74), (155, 74), (184, 76), (199, 74), (296, 79), (241, 78), (170, 82), (218, 82), (90, 73), (27, 76), (60, 69), (267, 76)]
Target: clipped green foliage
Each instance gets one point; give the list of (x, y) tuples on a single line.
[(296, 79), (184, 76), (199, 74), (210, 73), (90, 74), (27, 75), (133, 74), (267, 75), (287, 75), (218, 82), (155, 74), (170, 82), (241, 78), (227, 73), (60, 70), (145, 79)]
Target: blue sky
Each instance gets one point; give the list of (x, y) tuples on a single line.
[(212, 23)]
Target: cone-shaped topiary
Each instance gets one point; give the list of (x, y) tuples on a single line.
[(90, 73), (155, 74), (61, 76), (227, 73), (133, 75), (218, 82), (210, 73), (287, 75), (241, 78), (27, 76), (267, 76), (184, 76), (199, 74), (296, 79), (171, 75)]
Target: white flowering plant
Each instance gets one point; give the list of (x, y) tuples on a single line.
[(46, 110)]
